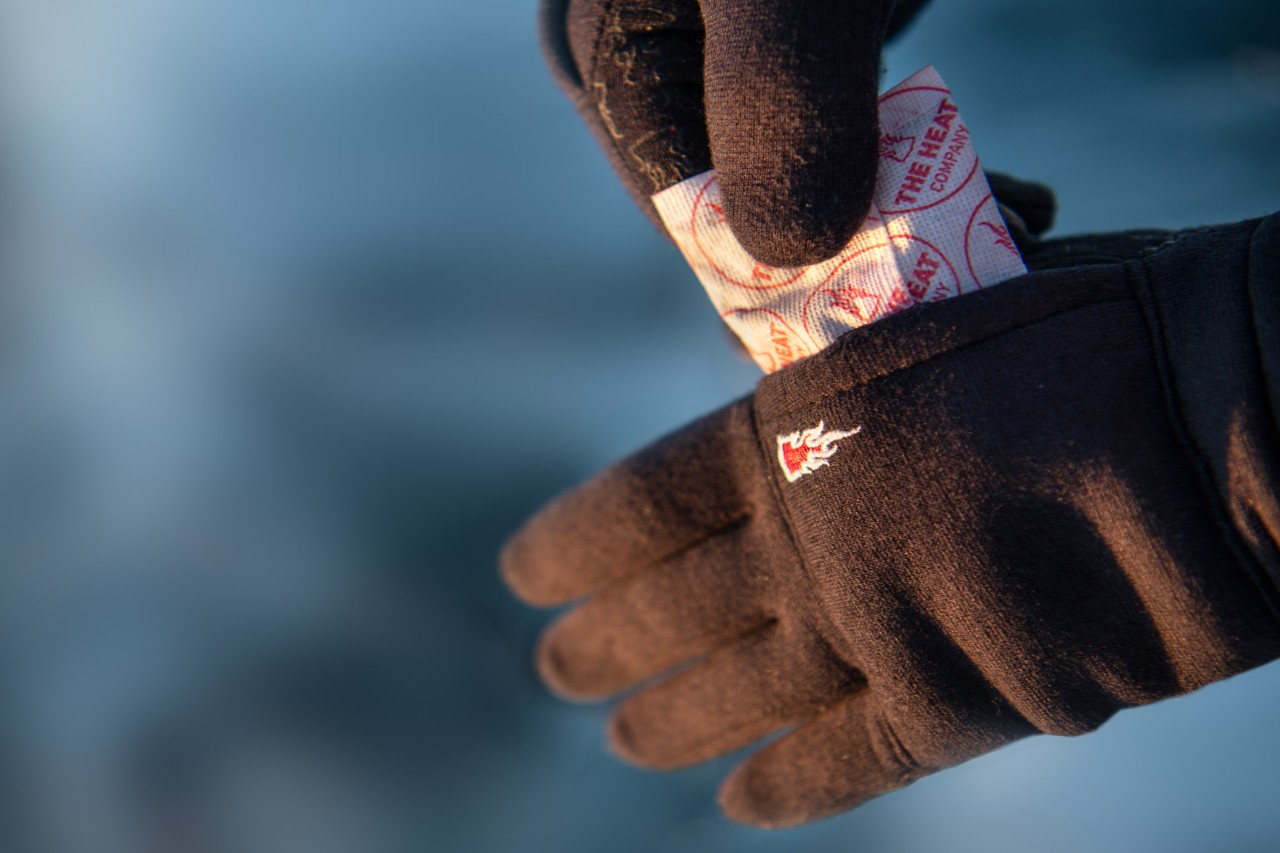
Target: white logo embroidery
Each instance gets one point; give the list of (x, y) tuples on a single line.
[(805, 451)]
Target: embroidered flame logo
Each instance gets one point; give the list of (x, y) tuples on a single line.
[(805, 451)]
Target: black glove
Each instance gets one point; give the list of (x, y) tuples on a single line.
[(1013, 512), (780, 95)]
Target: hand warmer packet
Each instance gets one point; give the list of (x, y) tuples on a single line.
[(934, 231)]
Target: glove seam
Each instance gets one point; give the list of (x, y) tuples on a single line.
[(717, 529), (907, 765), (1144, 294)]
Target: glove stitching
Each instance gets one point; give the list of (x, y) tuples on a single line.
[(593, 86), (907, 765), (1176, 238), (1231, 538)]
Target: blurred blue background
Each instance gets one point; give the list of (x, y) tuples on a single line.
[(305, 305)]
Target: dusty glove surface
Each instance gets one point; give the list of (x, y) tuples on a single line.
[(1013, 524), (778, 95)]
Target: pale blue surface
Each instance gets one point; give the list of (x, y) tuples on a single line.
[(306, 305)]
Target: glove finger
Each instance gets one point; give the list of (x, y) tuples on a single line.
[(663, 617), (792, 118), (1035, 203), (662, 500), (739, 694), (841, 759), (640, 88)]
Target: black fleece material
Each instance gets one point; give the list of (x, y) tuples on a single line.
[(1056, 499), (778, 95)]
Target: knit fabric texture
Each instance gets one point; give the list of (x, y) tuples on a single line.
[(1047, 501), (778, 96)]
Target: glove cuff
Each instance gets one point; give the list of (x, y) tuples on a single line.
[(1211, 299)]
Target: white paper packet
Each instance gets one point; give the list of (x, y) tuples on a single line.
[(934, 231)]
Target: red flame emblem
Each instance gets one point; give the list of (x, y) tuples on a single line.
[(805, 451)]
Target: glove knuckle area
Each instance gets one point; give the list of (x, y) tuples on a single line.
[(1044, 605), (1097, 583)]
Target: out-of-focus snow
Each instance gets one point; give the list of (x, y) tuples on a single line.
[(291, 335)]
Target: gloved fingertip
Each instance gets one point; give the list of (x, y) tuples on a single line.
[(792, 121), (750, 796), (795, 247), (511, 568), (810, 224), (575, 664), (557, 671), (629, 742), (520, 565), (621, 739)]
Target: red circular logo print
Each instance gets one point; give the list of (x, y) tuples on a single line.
[(928, 159), (730, 261), (877, 281), (987, 242), (772, 342)]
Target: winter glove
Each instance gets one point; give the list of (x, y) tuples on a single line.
[(779, 95), (1015, 512)]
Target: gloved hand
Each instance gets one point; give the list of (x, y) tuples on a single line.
[(1013, 512), (779, 95)]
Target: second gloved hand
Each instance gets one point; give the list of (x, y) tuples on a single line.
[(779, 96), (1015, 512)]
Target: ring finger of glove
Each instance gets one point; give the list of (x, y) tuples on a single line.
[(774, 677), (669, 614)]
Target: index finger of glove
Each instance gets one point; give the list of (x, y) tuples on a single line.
[(675, 493), (793, 120), (663, 617)]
